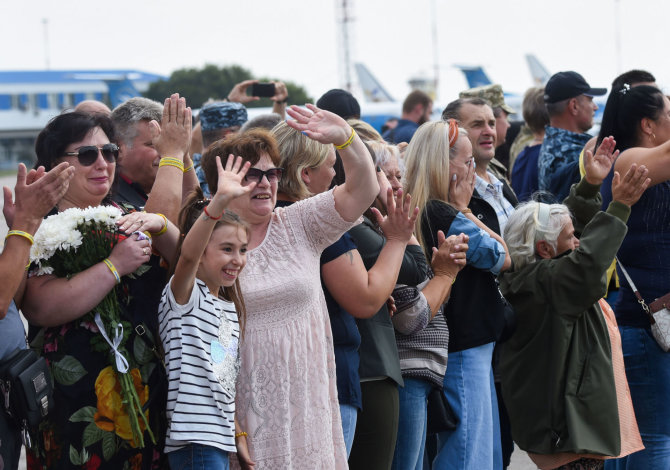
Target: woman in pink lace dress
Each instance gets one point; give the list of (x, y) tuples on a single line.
[(286, 392)]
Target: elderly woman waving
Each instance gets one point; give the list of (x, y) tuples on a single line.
[(287, 403), (562, 370)]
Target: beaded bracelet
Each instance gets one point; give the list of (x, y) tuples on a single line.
[(164, 229), (169, 161), (207, 214), (240, 434), (112, 268), (348, 142), (21, 233)]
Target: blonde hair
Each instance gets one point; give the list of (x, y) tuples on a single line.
[(383, 152), (297, 152), (427, 168), (365, 131)]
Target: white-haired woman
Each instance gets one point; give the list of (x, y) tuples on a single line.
[(562, 370)]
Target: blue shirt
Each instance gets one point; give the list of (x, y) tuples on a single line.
[(558, 162), (492, 193), (525, 173), (403, 132), (12, 334)]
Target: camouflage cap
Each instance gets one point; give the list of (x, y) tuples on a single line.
[(492, 93), (221, 115)]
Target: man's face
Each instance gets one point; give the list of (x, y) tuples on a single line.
[(139, 162), (586, 109), (502, 125), (427, 112), (481, 127)]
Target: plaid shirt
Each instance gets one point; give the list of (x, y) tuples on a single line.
[(492, 193)]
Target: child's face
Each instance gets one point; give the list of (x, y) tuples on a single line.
[(224, 256)]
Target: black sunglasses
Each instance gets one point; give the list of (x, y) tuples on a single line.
[(88, 154), (273, 174)]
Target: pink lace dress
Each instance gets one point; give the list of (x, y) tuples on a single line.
[(286, 391)]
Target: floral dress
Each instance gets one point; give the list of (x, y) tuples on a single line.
[(89, 427)]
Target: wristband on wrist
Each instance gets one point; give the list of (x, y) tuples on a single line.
[(112, 268), (21, 233), (190, 167), (467, 210), (165, 225), (169, 161), (207, 214), (240, 434), (348, 142)]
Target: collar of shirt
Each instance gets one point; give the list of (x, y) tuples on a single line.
[(494, 188)]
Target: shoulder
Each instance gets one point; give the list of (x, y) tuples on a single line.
[(343, 245), (436, 208)]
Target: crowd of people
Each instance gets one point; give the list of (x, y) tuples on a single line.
[(302, 291)]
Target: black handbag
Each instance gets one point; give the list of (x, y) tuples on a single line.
[(27, 391), (440, 415)]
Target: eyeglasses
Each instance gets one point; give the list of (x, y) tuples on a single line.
[(273, 174), (88, 154)]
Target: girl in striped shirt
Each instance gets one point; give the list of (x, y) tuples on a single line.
[(201, 316)]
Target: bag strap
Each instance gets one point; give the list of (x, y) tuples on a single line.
[(640, 300)]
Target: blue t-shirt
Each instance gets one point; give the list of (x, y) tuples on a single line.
[(12, 334), (525, 173), (403, 132), (346, 338)]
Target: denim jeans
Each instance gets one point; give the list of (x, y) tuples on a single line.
[(198, 457), (349, 416), (648, 374), (468, 386), (409, 447)]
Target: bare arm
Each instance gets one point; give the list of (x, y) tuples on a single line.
[(656, 160), (36, 194), (172, 141), (53, 301), (360, 188)]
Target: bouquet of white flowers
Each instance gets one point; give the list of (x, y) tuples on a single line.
[(70, 242)]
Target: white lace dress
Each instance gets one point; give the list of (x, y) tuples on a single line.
[(286, 391)]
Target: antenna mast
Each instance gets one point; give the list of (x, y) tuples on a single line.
[(344, 16)]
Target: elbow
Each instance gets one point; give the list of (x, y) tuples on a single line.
[(507, 264), (365, 310)]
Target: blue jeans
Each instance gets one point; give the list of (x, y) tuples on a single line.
[(469, 388), (349, 416), (409, 447), (648, 373), (198, 457)]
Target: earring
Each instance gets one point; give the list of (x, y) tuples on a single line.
[(653, 137)]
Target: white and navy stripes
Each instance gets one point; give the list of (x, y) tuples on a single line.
[(201, 340)]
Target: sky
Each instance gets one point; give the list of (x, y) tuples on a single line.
[(297, 40)]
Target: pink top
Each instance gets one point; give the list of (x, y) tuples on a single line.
[(286, 391)]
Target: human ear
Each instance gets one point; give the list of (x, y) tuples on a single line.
[(304, 174), (544, 250)]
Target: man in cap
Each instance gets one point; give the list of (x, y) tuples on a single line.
[(501, 111), (569, 101), (416, 109), (340, 102)]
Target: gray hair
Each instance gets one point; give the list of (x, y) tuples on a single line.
[(531, 222), (556, 109), (264, 121), (126, 116)]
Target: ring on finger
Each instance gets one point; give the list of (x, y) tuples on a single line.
[(145, 250)]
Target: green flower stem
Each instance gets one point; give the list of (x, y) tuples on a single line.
[(126, 388)]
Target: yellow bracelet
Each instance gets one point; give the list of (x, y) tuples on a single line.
[(467, 210), (27, 266), (112, 268), (21, 233), (348, 142), (169, 161), (164, 229), (240, 434), (186, 170)]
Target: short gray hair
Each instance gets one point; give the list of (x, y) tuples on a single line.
[(556, 109), (126, 116), (525, 227)]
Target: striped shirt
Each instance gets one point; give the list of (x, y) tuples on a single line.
[(201, 341)]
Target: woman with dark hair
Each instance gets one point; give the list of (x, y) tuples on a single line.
[(90, 427), (639, 120)]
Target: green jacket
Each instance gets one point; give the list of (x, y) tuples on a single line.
[(557, 376)]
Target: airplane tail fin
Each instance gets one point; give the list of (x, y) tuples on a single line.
[(373, 91), (474, 75), (539, 73), (120, 91)]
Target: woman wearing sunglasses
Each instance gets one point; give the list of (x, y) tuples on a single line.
[(286, 394), (90, 426)]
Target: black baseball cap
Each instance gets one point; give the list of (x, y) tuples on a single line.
[(564, 85), (340, 102)]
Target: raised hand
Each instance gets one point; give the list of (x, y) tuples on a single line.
[(173, 137), (281, 92), (629, 189), (230, 185), (461, 188), (239, 92), (36, 193), (450, 256), (598, 166), (322, 126), (399, 221)]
